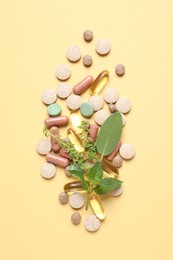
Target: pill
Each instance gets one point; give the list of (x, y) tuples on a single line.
[(110, 169), (117, 161), (75, 118), (114, 152), (76, 218), (73, 53), (54, 139), (87, 60), (117, 192), (63, 90), (87, 109), (73, 186), (56, 121), (97, 102), (103, 47), (43, 146), (76, 200), (120, 69), (49, 96), (75, 140), (123, 105), (48, 170), (63, 197), (66, 170), (73, 101), (100, 116), (96, 206), (112, 108), (63, 72), (54, 110), (88, 35), (99, 83), (123, 119), (63, 153), (127, 151), (110, 95), (92, 223), (83, 85), (57, 160), (93, 130)]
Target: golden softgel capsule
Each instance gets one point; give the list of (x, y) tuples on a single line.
[(110, 169), (75, 118), (99, 83), (75, 140), (97, 207)]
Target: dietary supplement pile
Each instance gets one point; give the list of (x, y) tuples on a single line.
[(92, 152)]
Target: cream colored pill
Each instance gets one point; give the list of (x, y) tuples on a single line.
[(73, 101), (100, 116), (92, 223), (49, 96), (117, 161), (76, 200), (110, 95), (97, 102), (63, 72), (123, 119), (103, 47), (127, 151), (63, 90), (43, 146), (123, 105), (66, 170), (48, 170), (73, 53), (117, 192)]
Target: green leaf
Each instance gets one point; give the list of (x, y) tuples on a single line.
[(96, 172), (77, 172), (109, 134), (106, 185)]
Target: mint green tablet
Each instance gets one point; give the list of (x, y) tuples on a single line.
[(87, 109), (54, 110)]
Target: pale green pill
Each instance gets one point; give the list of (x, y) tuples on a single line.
[(87, 109), (54, 110)]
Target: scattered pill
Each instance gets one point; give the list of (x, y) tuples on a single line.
[(87, 109), (88, 35), (97, 206), (43, 146), (110, 95), (123, 119), (57, 160), (97, 102), (76, 200), (63, 90), (117, 192), (100, 116), (103, 47), (76, 218), (87, 60), (120, 69), (123, 105), (127, 151), (54, 110), (73, 53), (56, 121), (73, 186), (99, 83), (83, 85), (48, 170), (63, 72), (54, 139), (73, 102), (114, 152), (63, 197), (64, 153), (93, 130), (49, 96), (117, 161), (92, 223), (66, 170), (112, 108)]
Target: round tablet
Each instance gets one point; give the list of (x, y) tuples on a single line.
[(49, 96), (92, 223), (48, 170), (103, 47), (66, 171), (63, 72), (73, 101), (54, 110), (112, 108), (127, 151), (73, 53), (88, 35), (117, 192), (117, 161), (123, 119), (110, 95), (87, 109), (63, 90), (97, 102), (43, 146), (76, 218), (87, 60), (63, 197), (76, 200), (120, 69), (100, 116), (123, 105)]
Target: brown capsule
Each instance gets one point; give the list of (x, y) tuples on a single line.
[(57, 160), (83, 85), (56, 121), (115, 151), (93, 130), (55, 145), (73, 186), (63, 153)]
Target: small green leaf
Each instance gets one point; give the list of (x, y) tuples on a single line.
[(77, 172), (96, 172), (106, 185), (109, 134)]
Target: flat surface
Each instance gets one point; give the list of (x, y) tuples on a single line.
[(34, 39)]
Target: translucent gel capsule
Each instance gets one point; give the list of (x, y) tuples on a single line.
[(75, 140), (99, 82), (73, 186), (97, 207), (110, 169), (75, 118)]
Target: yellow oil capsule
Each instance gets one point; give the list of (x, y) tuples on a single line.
[(96, 205), (99, 82), (73, 186), (109, 169), (75, 140), (75, 118)]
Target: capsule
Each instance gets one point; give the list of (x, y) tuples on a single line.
[(55, 146), (75, 140), (57, 160), (73, 186), (75, 118), (56, 121), (115, 151), (99, 83), (97, 207), (110, 169), (63, 153), (93, 130), (83, 85)]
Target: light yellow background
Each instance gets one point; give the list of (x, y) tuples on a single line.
[(34, 38)]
